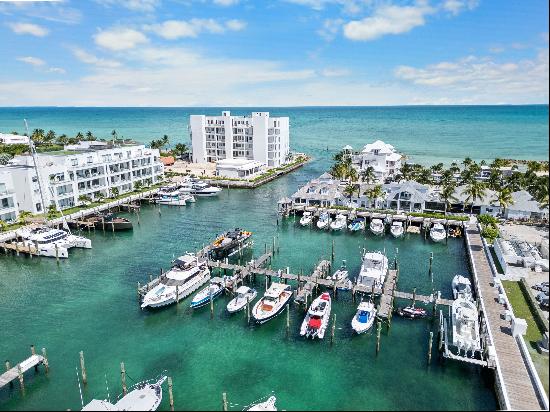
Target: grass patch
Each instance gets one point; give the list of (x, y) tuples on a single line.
[(440, 216), (522, 310)]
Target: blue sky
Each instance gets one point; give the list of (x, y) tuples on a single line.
[(273, 52)]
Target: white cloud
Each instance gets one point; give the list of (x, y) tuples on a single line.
[(119, 38), (89, 58), (28, 28), (335, 72), (33, 61), (388, 20), (58, 70), (136, 5), (348, 6), (458, 6), (226, 3), (330, 29), (482, 78), (176, 29)]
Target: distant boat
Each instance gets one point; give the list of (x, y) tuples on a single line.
[(228, 243), (437, 232), (317, 318), (461, 287), (339, 223), (272, 303), (199, 188), (143, 396), (412, 312), (324, 221), (107, 221), (357, 224), (51, 242), (397, 229), (306, 219), (364, 318), (176, 199), (245, 295), (268, 405), (377, 226), (211, 292)]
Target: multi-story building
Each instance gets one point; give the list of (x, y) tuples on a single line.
[(8, 198), (8, 138), (91, 172), (382, 157), (256, 137)]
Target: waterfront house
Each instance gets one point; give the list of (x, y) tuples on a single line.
[(8, 198), (238, 168), (324, 191), (525, 207), (382, 157), (257, 137)]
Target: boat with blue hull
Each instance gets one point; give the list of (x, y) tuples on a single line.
[(214, 290)]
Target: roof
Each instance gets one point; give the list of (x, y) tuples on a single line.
[(238, 164), (347, 147), (487, 200), (378, 145), (523, 201)]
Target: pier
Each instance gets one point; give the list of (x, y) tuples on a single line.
[(16, 373), (515, 381)]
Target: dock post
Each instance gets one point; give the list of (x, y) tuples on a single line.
[(248, 311), (17, 247), (8, 367), (211, 307), (83, 368), (224, 401), (138, 288), (46, 363), (123, 378), (332, 330), (33, 353), (265, 247), (378, 329), (266, 282), (287, 320), (332, 254), (56, 253), (103, 223), (20, 376), (414, 296), (430, 347), (431, 261), (273, 250), (170, 394)]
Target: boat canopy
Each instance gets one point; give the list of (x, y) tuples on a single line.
[(243, 290), (275, 290), (181, 275), (367, 306), (99, 405)]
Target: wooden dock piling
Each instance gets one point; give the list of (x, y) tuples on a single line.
[(332, 329), (211, 306), (430, 347), (123, 378), (287, 320), (224, 401), (431, 261), (83, 368), (378, 329), (45, 360), (170, 394)]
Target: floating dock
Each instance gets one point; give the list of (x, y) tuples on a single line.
[(16, 373)]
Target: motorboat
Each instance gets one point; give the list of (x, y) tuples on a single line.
[(229, 243), (211, 292), (317, 318), (187, 274), (169, 190), (324, 221), (412, 312), (341, 278), (397, 229), (364, 318), (357, 224), (244, 296), (339, 222), (51, 242), (465, 322), (268, 405), (175, 199), (272, 303), (373, 270), (306, 219), (198, 188), (143, 396), (105, 221), (377, 226), (437, 232), (461, 287)]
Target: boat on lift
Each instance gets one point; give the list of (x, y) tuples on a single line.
[(396, 229), (324, 221), (341, 277), (306, 219), (357, 224), (364, 317), (461, 287), (272, 303), (465, 321), (339, 222), (211, 292), (244, 296), (377, 226), (374, 269), (317, 318), (438, 233)]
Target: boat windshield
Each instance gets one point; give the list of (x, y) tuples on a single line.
[(363, 316)]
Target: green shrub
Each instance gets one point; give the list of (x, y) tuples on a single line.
[(489, 232), (487, 220)]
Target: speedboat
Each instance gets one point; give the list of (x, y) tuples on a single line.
[(306, 219), (377, 226), (186, 275), (324, 221), (199, 188), (396, 229), (51, 242), (357, 224), (373, 270), (465, 325), (175, 199), (211, 292), (143, 396), (412, 312), (272, 303), (339, 223), (364, 318), (341, 278), (462, 287), (244, 296), (229, 243), (437, 232), (316, 320), (268, 405)]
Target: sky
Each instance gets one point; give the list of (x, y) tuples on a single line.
[(273, 52)]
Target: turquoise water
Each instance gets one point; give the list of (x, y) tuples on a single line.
[(428, 134)]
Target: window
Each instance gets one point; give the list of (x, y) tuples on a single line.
[(90, 159), (74, 162)]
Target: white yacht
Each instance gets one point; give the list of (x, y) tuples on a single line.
[(187, 274), (143, 396), (324, 221), (199, 188), (317, 318), (245, 295), (272, 303), (397, 229), (373, 270), (437, 232), (211, 292), (268, 405), (306, 219), (51, 242), (377, 226), (175, 199), (364, 318), (462, 287), (339, 223), (465, 325)]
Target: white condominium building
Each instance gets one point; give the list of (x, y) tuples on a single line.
[(67, 175), (382, 157), (8, 198), (256, 137)]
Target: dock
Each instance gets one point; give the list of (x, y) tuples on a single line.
[(515, 383), (16, 373)]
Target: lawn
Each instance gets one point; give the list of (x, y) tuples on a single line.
[(521, 309)]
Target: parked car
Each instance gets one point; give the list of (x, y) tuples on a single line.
[(544, 303), (543, 287), (541, 296)]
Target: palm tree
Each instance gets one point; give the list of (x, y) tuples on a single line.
[(180, 149), (352, 174), (375, 193), (424, 176), (467, 162), (62, 139), (165, 140), (448, 194), (3, 225), (84, 199), (494, 182), (474, 190), (90, 136), (504, 198), (338, 171), (23, 217), (454, 168), (514, 182), (52, 211), (349, 190), (406, 172), (114, 191), (114, 134), (368, 176), (79, 136), (50, 136), (37, 136), (99, 197), (138, 185), (438, 168)]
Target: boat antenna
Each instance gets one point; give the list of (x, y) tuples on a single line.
[(107, 385), (79, 388), (33, 154), (65, 225)]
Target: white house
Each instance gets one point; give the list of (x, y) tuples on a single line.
[(8, 138), (324, 191), (238, 168), (525, 207), (382, 157), (256, 137), (8, 198)]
